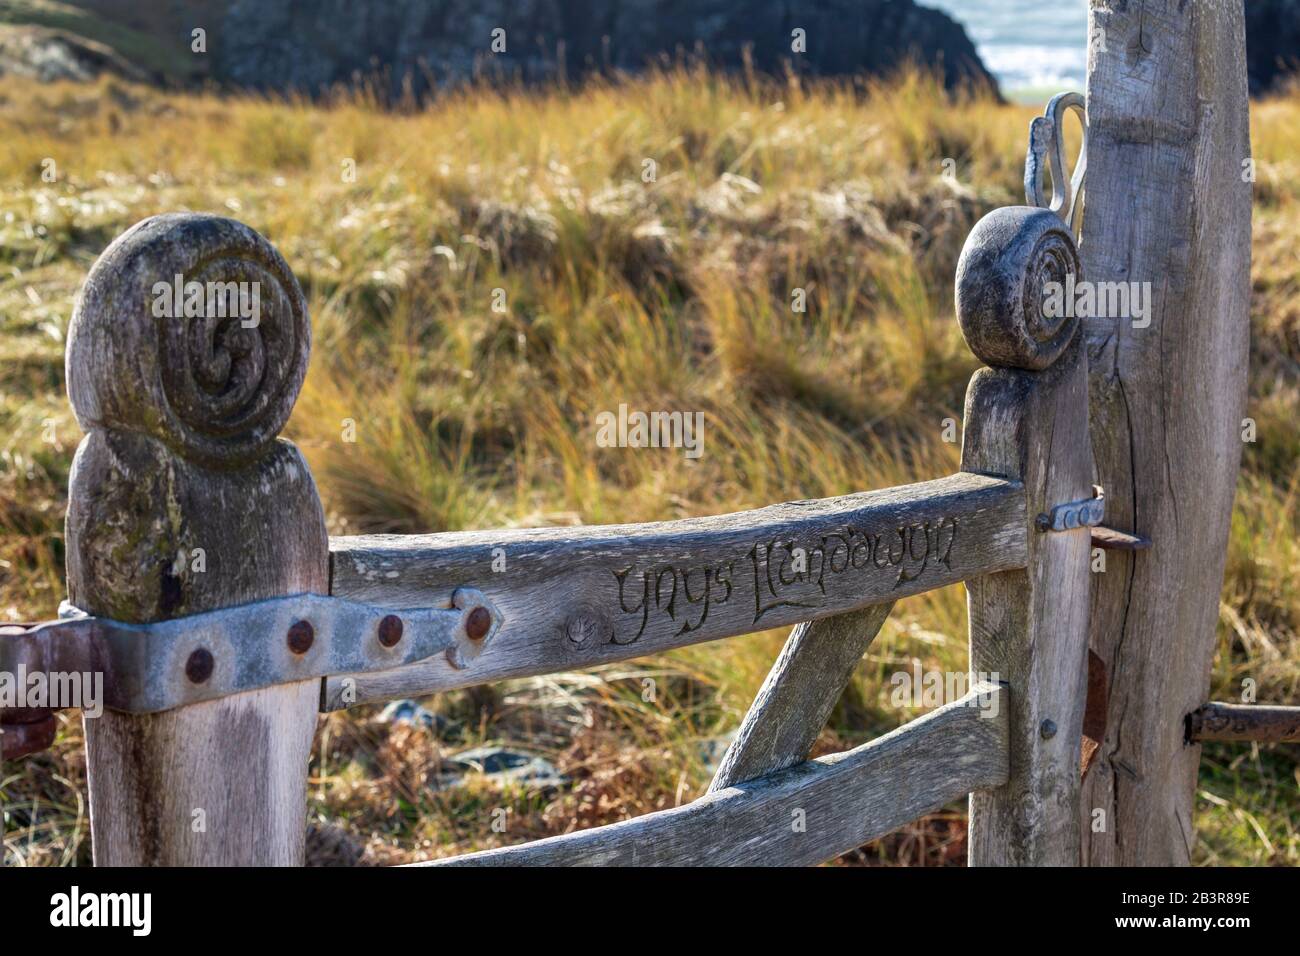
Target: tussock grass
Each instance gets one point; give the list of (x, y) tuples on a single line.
[(673, 291)]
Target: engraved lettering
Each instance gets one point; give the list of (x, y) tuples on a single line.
[(767, 594), (707, 573), (946, 560), (702, 587), (644, 606), (786, 573)]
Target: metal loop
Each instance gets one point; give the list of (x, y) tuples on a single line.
[(1047, 141)]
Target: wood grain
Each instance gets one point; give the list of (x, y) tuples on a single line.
[(797, 698), (577, 597), (807, 814), (178, 458), (1167, 203), (1029, 627)]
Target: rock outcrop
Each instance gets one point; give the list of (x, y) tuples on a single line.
[(308, 46), (49, 55), (1272, 42)]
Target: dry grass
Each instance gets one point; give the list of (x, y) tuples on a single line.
[(674, 293)]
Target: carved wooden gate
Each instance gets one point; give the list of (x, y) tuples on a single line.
[(239, 663), (216, 679)]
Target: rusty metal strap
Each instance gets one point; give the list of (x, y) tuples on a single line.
[(1260, 723), (149, 668)]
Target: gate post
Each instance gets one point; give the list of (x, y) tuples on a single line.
[(1168, 206), (183, 500), (1027, 419)]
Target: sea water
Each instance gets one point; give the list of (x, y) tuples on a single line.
[(1032, 47)]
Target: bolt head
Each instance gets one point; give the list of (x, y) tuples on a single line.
[(390, 630), (301, 636), (1048, 729), (478, 623), (198, 668)]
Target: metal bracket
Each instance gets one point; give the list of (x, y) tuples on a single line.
[(1087, 513), (1112, 539), (149, 668)]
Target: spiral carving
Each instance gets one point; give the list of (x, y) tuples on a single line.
[(191, 329), (1003, 276)]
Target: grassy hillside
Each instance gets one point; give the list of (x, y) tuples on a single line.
[(665, 292)]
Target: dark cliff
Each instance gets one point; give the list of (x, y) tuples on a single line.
[(309, 45), (1272, 42)]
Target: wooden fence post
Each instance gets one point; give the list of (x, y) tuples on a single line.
[(182, 500), (1168, 204), (1027, 419)]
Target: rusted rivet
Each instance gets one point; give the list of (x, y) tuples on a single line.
[(199, 666), (301, 636), (390, 630), (1048, 729), (478, 623)]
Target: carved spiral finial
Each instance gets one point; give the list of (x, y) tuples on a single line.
[(1003, 277), (190, 328)]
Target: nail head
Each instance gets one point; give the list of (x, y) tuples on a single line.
[(390, 630), (301, 637), (198, 668), (478, 623)]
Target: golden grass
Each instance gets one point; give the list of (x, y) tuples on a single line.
[(501, 270)]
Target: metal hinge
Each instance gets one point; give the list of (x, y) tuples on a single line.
[(1087, 513), (147, 668)]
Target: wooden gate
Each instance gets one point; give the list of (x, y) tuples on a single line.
[(181, 452)]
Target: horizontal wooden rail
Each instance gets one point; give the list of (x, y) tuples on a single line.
[(577, 597), (1245, 722), (807, 814)]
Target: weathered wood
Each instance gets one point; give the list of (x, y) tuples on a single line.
[(1168, 203), (182, 500), (808, 813), (1029, 626), (797, 698), (5, 746), (577, 597), (1260, 723), (1007, 260)]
